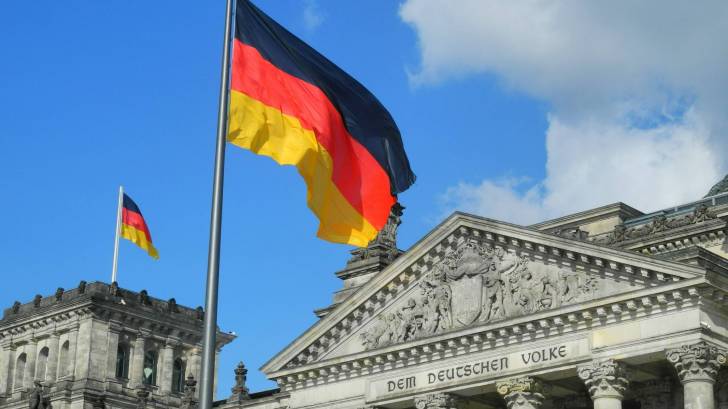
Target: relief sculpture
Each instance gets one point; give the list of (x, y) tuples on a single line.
[(477, 284)]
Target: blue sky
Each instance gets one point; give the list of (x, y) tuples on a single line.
[(512, 125)]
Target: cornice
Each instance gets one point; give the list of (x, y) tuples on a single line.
[(617, 209), (459, 227), (706, 233), (564, 321)]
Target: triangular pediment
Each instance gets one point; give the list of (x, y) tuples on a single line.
[(471, 272)]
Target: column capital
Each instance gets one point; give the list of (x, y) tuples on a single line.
[(696, 362), (604, 379), (172, 342), (522, 392), (439, 400)]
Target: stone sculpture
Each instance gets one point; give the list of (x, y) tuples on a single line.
[(488, 284)]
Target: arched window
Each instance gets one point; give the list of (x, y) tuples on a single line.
[(42, 364), (149, 373), (19, 371), (63, 360), (122, 361), (178, 375)]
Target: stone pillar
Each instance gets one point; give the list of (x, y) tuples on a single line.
[(721, 389), (194, 365), (72, 352), (6, 356), (52, 364), (697, 367), (31, 354), (214, 375), (112, 348), (436, 401), (606, 381), (167, 365), (521, 393), (136, 373)]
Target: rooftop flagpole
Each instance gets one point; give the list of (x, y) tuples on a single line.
[(207, 377), (118, 233)]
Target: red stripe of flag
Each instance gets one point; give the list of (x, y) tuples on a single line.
[(357, 175), (135, 220)]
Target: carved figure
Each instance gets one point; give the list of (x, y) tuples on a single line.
[(477, 283), (35, 401)]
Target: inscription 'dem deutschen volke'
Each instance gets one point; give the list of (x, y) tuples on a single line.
[(478, 368)]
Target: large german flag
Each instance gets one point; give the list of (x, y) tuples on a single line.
[(292, 104), (134, 228)]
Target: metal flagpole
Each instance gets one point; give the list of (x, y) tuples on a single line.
[(118, 233), (207, 377)]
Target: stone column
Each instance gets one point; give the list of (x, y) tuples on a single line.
[(31, 354), (436, 401), (194, 364), (136, 373), (606, 381), (521, 393), (5, 357), (167, 365), (72, 352), (697, 367), (52, 364), (214, 375), (112, 348), (721, 389)]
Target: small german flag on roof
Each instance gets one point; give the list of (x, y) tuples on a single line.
[(134, 228)]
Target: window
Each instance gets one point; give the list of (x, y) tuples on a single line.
[(19, 371), (122, 361), (178, 376), (40, 369), (63, 361), (149, 374)]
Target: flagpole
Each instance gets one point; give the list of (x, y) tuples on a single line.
[(209, 346), (118, 233)]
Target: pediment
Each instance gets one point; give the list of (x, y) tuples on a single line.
[(471, 272)]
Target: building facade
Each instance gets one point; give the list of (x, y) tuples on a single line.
[(100, 346), (607, 308)]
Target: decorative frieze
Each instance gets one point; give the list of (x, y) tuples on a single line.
[(438, 281), (696, 362), (659, 224), (521, 393), (477, 284), (604, 379), (436, 401)]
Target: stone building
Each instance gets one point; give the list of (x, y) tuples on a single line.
[(607, 308), (100, 346)]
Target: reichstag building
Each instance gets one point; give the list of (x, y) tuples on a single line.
[(607, 308)]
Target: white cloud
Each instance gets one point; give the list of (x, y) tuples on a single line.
[(637, 94), (313, 17)]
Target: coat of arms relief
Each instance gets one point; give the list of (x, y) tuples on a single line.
[(479, 283)]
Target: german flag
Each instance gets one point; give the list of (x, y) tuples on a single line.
[(290, 103), (134, 228)]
